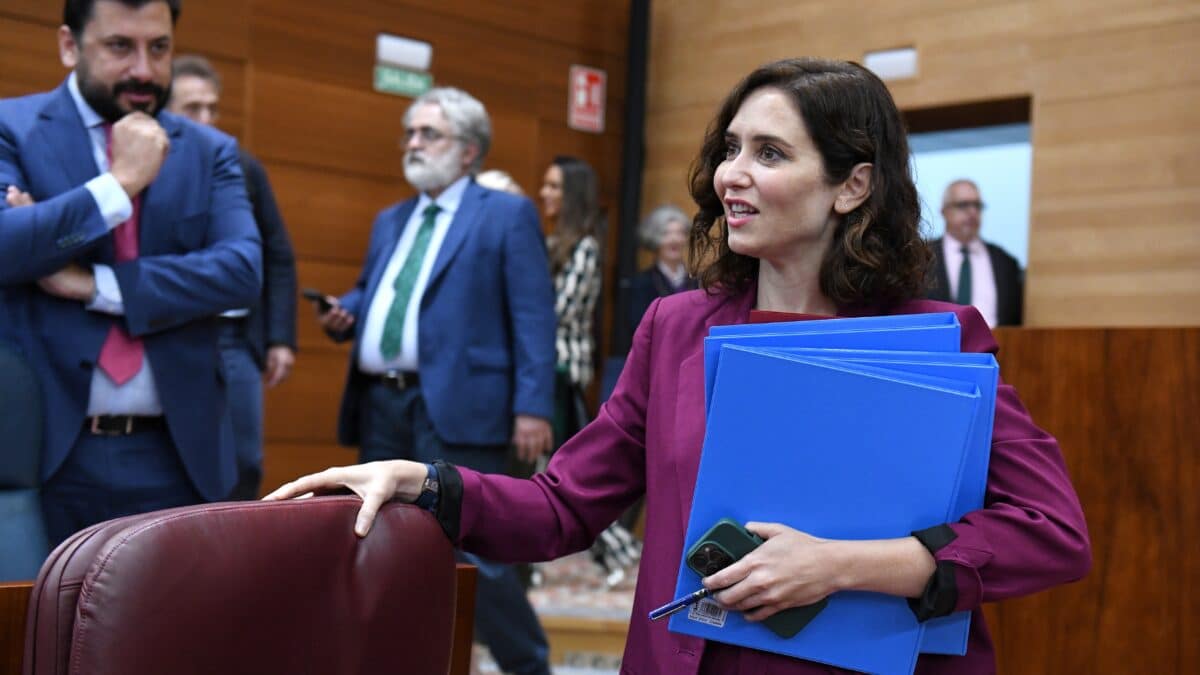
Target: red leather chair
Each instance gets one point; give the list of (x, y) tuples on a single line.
[(247, 587)]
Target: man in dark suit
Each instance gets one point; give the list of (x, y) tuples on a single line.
[(258, 341), (453, 325), (125, 231), (969, 270)]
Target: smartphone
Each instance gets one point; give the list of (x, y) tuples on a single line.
[(727, 542), (323, 304)]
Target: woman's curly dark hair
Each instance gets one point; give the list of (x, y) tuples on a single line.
[(877, 257)]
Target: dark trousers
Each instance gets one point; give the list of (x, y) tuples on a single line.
[(106, 477), (396, 425), (243, 405)]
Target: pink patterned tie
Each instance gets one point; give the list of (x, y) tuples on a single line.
[(122, 354)]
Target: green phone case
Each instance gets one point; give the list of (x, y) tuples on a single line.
[(736, 541)]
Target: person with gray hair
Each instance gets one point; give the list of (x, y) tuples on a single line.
[(453, 327), (664, 232)]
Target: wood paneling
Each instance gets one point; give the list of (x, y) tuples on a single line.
[(14, 604), (1122, 404), (329, 214), (1112, 90), (284, 461), (30, 56), (304, 408), (466, 580)]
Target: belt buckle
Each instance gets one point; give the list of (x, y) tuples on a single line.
[(396, 379), (97, 431)]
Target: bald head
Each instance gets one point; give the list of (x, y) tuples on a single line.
[(962, 207)]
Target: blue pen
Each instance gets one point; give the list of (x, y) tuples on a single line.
[(678, 604)]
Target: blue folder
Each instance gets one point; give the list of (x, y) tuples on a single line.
[(840, 323), (846, 459), (948, 634), (915, 332)]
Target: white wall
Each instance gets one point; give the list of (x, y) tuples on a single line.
[(999, 160)]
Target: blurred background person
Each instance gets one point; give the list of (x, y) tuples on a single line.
[(969, 270), (260, 341), (452, 320), (664, 233), (569, 204)]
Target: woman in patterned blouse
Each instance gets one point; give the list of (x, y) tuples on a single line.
[(569, 202)]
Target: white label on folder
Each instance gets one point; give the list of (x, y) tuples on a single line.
[(709, 612)]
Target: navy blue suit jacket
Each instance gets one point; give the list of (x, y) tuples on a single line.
[(486, 331), (199, 255)]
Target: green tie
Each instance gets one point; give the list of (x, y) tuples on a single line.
[(964, 279), (393, 326)]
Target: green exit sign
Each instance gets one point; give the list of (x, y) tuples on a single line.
[(401, 82)]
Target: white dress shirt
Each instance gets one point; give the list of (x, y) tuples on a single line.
[(983, 281), (138, 396), (370, 356)]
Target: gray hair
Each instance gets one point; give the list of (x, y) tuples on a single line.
[(654, 226), (499, 180), (467, 116)]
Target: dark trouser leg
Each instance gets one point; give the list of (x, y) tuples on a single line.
[(504, 619), (244, 405), (106, 477)]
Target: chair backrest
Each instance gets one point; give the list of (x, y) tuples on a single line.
[(22, 529), (247, 587)]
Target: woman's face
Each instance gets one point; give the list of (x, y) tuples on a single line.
[(551, 193), (778, 204), (674, 238)]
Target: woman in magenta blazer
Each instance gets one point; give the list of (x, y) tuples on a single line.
[(806, 207)]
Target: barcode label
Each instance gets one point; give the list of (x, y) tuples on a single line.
[(709, 612)]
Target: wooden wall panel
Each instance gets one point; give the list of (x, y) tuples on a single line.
[(284, 461), (332, 278), (304, 409), (329, 214), (1121, 403), (1112, 93), (29, 52)]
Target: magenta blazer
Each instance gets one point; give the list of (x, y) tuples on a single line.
[(647, 439)]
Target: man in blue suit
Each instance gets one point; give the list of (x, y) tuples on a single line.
[(124, 232), (453, 322)]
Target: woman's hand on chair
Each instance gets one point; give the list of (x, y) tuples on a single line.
[(374, 482)]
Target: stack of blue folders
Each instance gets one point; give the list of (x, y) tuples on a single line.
[(862, 428)]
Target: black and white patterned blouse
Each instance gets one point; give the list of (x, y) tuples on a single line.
[(576, 289)]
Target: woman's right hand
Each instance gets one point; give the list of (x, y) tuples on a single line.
[(374, 482)]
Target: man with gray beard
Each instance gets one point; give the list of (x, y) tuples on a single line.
[(453, 326)]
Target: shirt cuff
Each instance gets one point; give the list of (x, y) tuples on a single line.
[(115, 206), (448, 510), (108, 298), (940, 597)]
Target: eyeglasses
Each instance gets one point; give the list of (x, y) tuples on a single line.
[(966, 204), (427, 134)]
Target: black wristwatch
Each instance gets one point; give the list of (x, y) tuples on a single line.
[(430, 489)]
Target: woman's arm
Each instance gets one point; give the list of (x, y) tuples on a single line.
[(792, 569)]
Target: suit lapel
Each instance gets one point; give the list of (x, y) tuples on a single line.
[(388, 241), (158, 205), (465, 221), (942, 290), (61, 132), (63, 135)]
